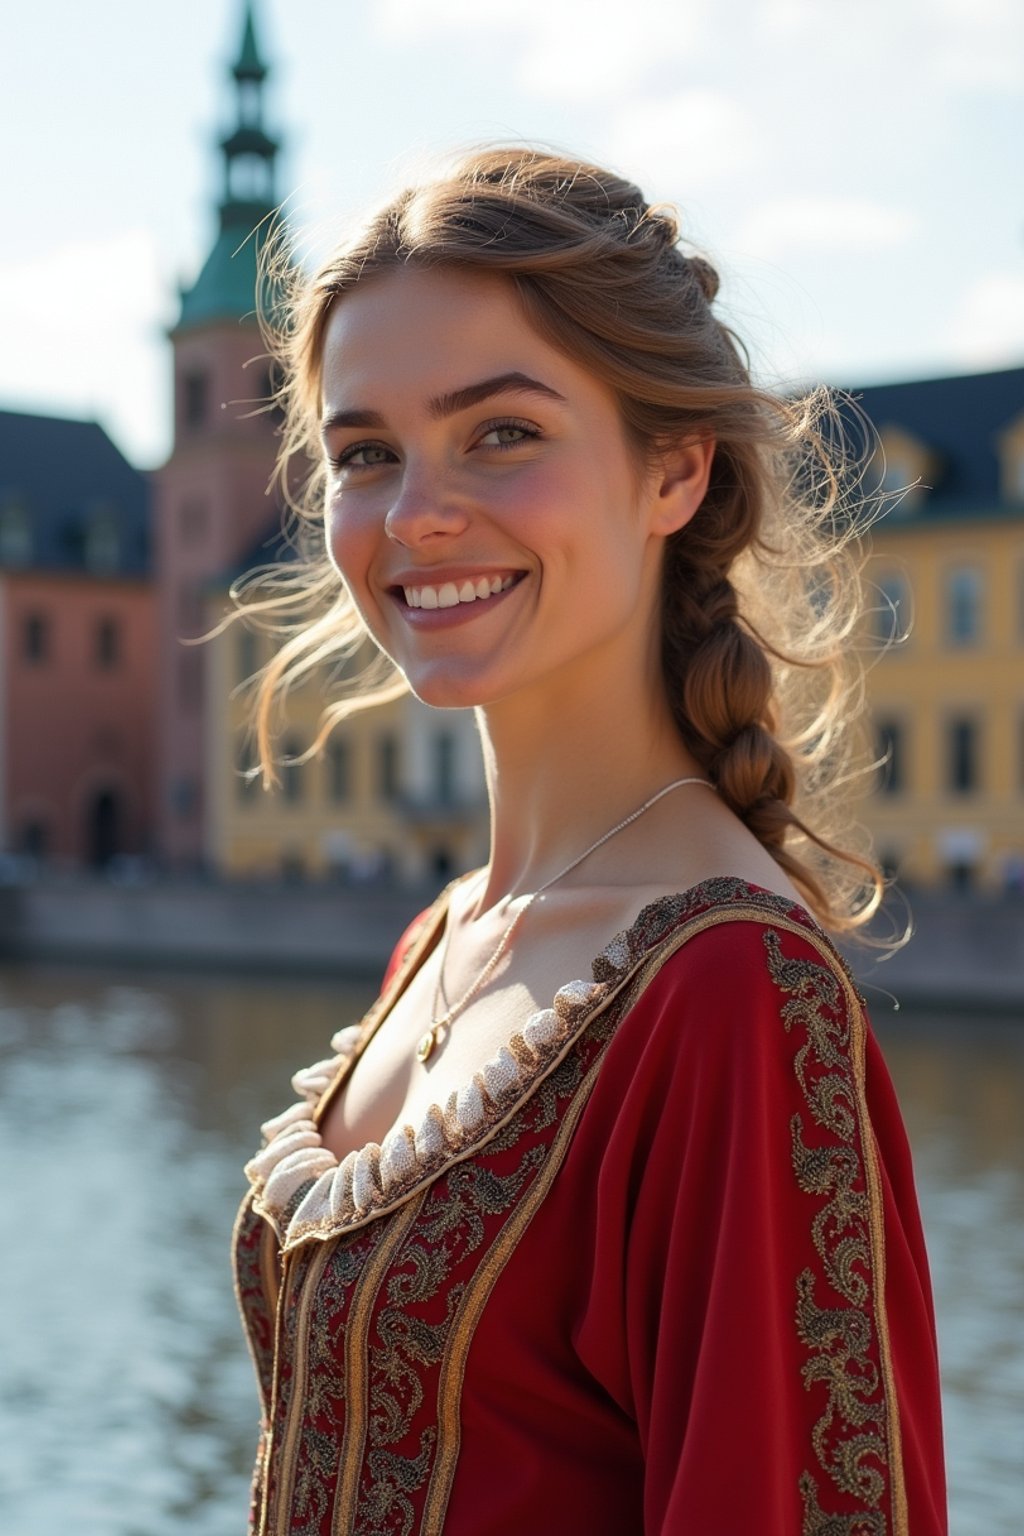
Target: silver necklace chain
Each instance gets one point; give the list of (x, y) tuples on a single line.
[(428, 1041)]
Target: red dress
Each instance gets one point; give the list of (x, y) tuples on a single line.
[(658, 1268)]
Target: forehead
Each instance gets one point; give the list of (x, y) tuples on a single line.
[(420, 332)]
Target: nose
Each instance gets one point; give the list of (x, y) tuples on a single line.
[(423, 510)]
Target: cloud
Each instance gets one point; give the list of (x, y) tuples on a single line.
[(976, 44), (988, 329), (798, 224), (690, 139), (580, 51), (78, 324)]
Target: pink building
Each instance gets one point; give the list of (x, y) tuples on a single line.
[(77, 645), (212, 504)]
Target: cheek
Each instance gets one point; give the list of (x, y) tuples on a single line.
[(348, 545)]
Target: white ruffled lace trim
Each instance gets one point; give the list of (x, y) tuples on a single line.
[(375, 1176)]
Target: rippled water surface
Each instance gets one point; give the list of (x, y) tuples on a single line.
[(127, 1404)]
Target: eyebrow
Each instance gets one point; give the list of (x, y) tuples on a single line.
[(451, 403)]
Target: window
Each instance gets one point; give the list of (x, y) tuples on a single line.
[(36, 638), (102, 540), (185, 798), (35, 838), (898, 475), (15, 536), (292, 777), (963, 606), (891, 611), (108, 644), (444, 767), (194, 399), (962, 757), (339, 769), (891, 754), (387, 767)]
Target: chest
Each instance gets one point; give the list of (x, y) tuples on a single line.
[(389, 1086)]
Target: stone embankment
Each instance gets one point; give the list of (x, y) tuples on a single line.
[(965, 952), (182, 925)]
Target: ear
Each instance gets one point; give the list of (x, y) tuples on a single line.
[(680, 485)]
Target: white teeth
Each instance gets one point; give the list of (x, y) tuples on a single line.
[(448, 595)]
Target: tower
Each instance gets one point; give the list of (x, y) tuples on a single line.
[(211, 502)]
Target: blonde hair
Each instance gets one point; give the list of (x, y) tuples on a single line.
[(760, 592)]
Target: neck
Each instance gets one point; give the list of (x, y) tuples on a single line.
[(565, 765)]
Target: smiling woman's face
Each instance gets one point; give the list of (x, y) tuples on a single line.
[(483, 506)]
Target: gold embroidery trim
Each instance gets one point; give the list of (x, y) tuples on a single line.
[(876, 1221), (357, 1343), (300, 1367), (453, 1365), (814, 1517), (270, 1272)]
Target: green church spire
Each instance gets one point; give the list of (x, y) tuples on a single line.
[(226, 287), (249, 65)]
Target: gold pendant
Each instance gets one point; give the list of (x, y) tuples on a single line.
[(425, 1049)]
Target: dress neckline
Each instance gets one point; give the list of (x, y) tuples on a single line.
[(304, 1191)]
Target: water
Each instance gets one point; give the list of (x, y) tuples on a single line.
[(127, 1404)]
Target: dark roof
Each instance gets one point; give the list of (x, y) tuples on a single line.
[(225, 289), (960, 420), (87, 507)]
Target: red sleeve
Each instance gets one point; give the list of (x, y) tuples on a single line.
[(778, 1350)]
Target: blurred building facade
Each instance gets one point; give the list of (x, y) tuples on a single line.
[(77, 645), (946, 584)]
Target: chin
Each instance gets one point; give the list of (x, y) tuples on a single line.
[(449, 688)]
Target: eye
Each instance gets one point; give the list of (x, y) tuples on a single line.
[(507, 434), (362, 456)]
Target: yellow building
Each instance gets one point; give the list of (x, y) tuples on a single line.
[(398, 790), (946, 697)]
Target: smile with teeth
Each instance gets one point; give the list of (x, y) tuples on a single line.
[(451, 593)]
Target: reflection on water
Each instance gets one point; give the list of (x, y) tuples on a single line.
[(127, 1405), (961, 1084)]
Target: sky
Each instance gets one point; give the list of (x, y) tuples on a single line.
[(853, 171)]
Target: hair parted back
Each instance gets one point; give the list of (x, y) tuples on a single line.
[(760, 591)]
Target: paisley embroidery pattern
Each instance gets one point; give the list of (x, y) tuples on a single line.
[(849, 1436)]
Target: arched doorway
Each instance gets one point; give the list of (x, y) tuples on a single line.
[(104, 828)]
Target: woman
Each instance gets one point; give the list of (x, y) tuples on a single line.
[(556, 1243)]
